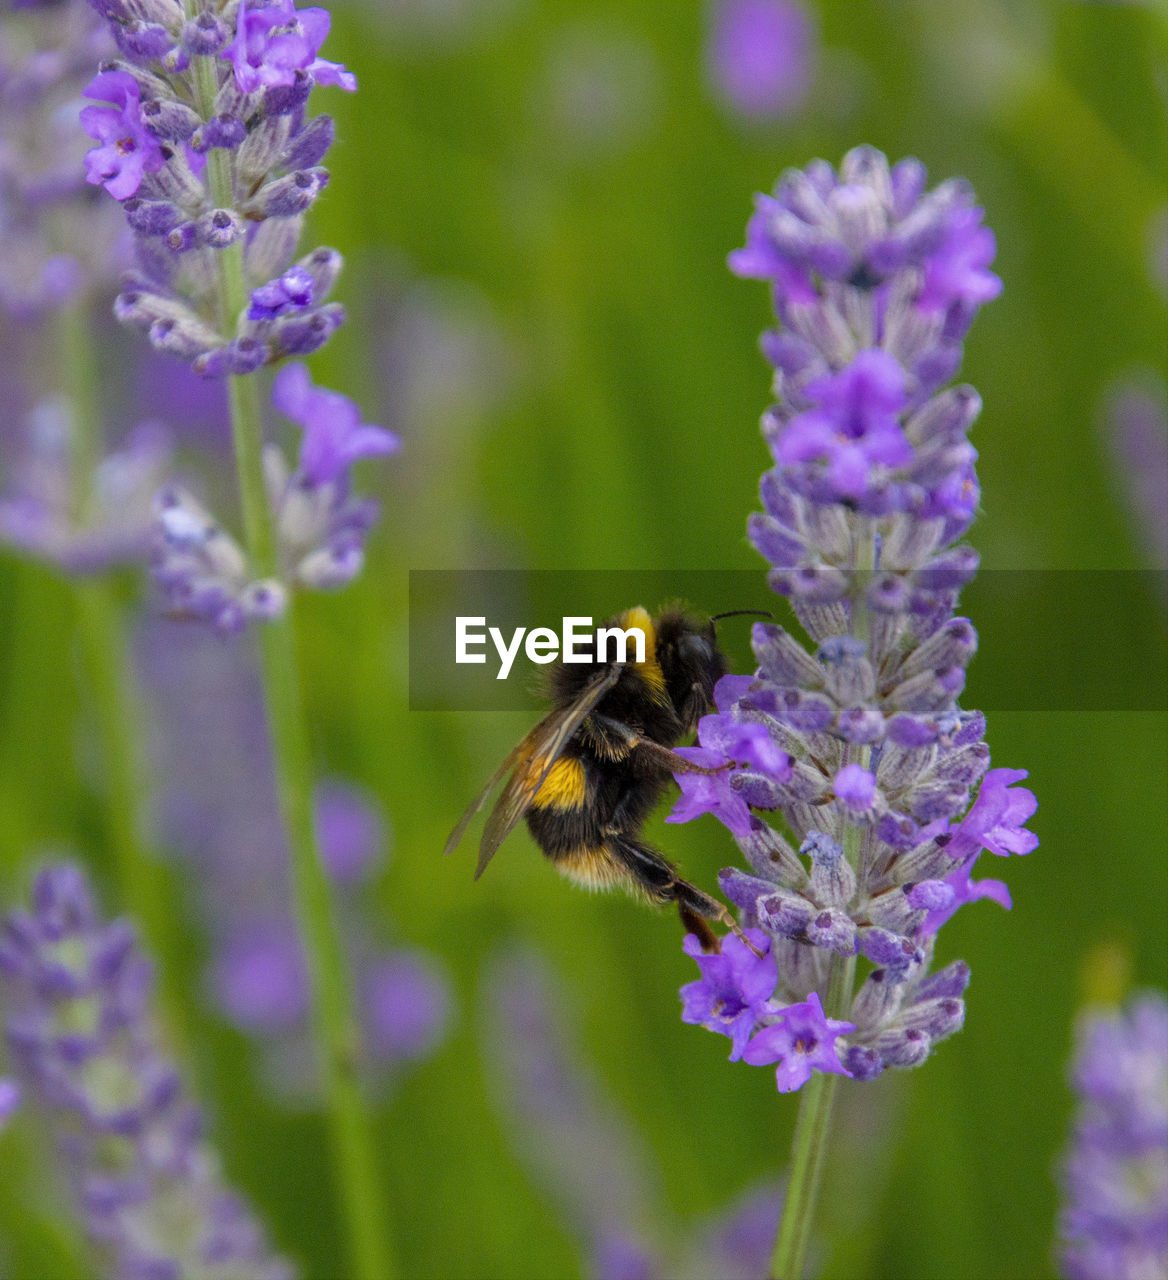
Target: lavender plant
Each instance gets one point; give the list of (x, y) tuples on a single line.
[(1114, 1224), (846, 772), (204, 137), (77, 994), (71, 500)]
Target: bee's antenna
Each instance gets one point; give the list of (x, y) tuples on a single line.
[(735, 613)]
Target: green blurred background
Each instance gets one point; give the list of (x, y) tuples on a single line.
[(539, 303)]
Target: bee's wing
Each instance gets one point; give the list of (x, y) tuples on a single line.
[(477, 803), (542, 747)]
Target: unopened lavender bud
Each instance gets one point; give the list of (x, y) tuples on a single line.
[(784, 915), (142, 41), (241, 356), (204, 36), (935, 1018), (152, 217), (891, 910), (950, 981), (324, 265), (289, 196), (782, 658), (878, 999), (181, 336), (286, 99), (742, 889), (300, 335), (330, 568), (170, 121), (902, 1048), (770, 854), (183, 238), (860, 724), (833, 880), (223, 131), (862, 1062), (948, 571), (834, 930), (952, 646), (219, 228), (892, 950), (265, 600), (310, 146)]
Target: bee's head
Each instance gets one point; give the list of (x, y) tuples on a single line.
[(691, 662)]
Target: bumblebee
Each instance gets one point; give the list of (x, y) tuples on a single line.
[(588, 775)]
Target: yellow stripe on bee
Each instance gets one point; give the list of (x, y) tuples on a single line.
[(650, 669), (565, 787)]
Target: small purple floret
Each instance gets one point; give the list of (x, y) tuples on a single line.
[(334, 435), (128, 149), (733, 989), (801, 1041), (275, 42)]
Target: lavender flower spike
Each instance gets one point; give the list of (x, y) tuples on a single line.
[(1114, 1224), (77, 1000), (203, 137), (320, 526), (849, 775)]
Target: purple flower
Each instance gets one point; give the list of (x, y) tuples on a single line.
[(406, 1005), (958, 269), (856, 787), (334, 435), (273, 42), (853, 428), (82, 523), (709, 792), (83, 1041), (259, 978), (293, 291), (128, 150), (964, 889), (733, 748), (350, 832), (996, 822), (1114, 1223), (875, 279), (761, 55), (733, 988), (10, 1099), (802, 1040)]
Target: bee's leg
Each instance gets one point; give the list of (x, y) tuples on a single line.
[(657, 878), (633, 741)]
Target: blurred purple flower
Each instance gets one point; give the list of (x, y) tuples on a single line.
[(761, 56), (82, 1037), (1135, 421), (83, 524), (1114, 1224), (11, 1096), (406, 1003), (259, 978), (350, 831)]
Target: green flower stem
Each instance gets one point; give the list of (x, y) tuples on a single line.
[(817, 1097), (106, 663), (335, 1026), (809, 1147), (337, 1034)]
